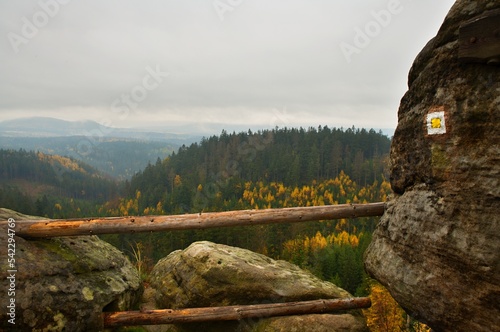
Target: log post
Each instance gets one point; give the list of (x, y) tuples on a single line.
[(116, 225), (231, 313)]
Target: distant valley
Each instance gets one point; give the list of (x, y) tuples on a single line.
[(119, 152)]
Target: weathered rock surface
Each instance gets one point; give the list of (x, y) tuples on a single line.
[(318, 323), (437, 246), (64, 284), (208, 274)]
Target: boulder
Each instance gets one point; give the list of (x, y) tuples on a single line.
[(437, 246), (208, 274), (63, 284)]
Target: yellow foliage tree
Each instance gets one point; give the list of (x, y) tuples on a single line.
[(385, 315), (177, 181), (317, 242)]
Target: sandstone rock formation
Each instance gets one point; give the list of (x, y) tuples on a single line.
[(437, 246), (63, 284), (208, 274)]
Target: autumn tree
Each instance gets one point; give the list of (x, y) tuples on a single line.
[(385, 315)]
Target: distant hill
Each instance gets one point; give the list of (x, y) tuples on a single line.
[(48, 127), (120, 158), (42, 184), (115, 151), (51, 127)]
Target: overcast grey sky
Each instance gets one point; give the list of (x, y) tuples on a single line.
[(200, 65)]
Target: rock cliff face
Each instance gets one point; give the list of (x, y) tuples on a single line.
[(437, 246), (63, 284), (208, 274)]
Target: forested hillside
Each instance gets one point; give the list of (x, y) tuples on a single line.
[(204, 175), (51, 185), (118, 157)]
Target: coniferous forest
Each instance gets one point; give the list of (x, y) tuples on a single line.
[(222, 164)]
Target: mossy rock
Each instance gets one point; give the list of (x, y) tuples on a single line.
[(64, 284)]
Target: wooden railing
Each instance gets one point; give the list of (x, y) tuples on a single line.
[(91, 226), (231, 313), (114, 225)]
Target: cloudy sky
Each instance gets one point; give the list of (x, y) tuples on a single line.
[(199, 66)]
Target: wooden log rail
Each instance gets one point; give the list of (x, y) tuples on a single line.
[(136, 224), (231, 313)]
